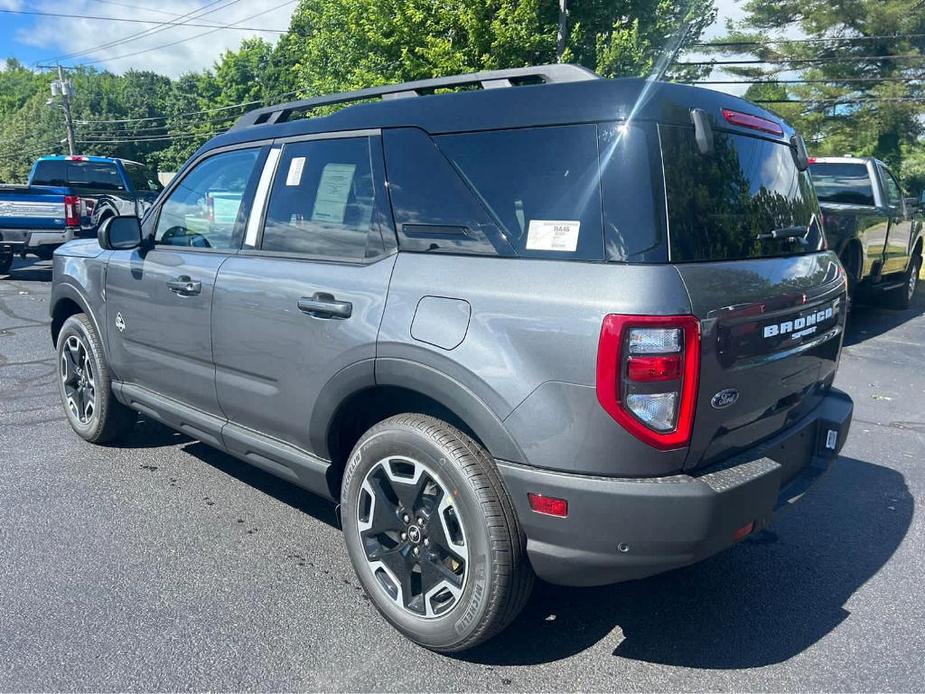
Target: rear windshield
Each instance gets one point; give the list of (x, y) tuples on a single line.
[(142, 178), (77, 174), (726, 204), (844, 183)]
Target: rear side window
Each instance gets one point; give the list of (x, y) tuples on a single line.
[(724, 205), (541, 185), (323, 200), (842, 183), (78, 174)]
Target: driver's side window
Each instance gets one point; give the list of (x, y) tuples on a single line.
[(203, 210)]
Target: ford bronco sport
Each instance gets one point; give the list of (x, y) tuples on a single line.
[(560, 326)]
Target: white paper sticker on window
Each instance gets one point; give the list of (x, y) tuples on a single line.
[(333, 191), (294, 177), (551, 235)]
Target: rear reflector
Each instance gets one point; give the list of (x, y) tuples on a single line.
[(549, 505), (744, 531), (654, 368), (747, 120)]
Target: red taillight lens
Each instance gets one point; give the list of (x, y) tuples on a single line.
[(549, 505), (648, 369), (71, 211), (647, 374), (746, 120)]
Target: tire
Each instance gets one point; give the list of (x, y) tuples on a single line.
[(85, 384), (901, 297), (44, 252), (6, 262), (471, 535), (851, 261)]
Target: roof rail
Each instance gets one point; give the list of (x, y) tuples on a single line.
[(489, 79)]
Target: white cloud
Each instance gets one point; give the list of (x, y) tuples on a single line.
[(195, 48)]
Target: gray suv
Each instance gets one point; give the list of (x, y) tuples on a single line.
[(559, 326)]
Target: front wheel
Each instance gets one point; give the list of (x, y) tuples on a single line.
[(85, 384), (432, 534)]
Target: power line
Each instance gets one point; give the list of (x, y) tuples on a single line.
[(192, 14), (826, 39), (833, 81), (190, 38), (801, 61), (840, 101), (152, 139), (140, 21), (191, 113)]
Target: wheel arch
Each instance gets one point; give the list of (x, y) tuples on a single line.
[(67, 301), (368, 392), (853, 246)]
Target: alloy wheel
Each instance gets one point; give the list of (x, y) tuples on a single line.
[(413, 536), (913, 280), (78, 377)]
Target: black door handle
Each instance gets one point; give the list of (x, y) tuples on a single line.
[(324, 305), (184, 286)]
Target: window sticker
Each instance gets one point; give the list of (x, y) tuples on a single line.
[(552, 235), (296, 166), (333, 191)]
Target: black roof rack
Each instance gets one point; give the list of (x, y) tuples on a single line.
[(488, 79)]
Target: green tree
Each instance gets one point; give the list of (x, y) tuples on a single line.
[(863, 92)]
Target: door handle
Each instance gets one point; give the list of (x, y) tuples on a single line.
[(184, 286), (324, 305)]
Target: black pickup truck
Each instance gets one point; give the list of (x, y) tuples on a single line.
[(871, 225)]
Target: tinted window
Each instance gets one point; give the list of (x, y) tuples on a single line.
[(205, 208), (434, 210), (842, 183), (78, 174), (323, 199), (629, 183), (891, 187), (541, 184), (142, 179), (723, 206)]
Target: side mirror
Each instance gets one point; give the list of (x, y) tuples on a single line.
[(120, 233), (800, 155)]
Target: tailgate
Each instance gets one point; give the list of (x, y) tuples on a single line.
[(771, 336), (32, 208)]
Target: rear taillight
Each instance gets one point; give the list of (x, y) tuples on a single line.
[(647, 372), (71, 211)]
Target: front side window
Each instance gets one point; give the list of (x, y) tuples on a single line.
[(205, 208), (746, 199), (322, 201), (142, 178), (893, 195), (541, 184)]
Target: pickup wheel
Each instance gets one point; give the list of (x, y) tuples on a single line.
[(85, 384), (901, 297), (6, 262), (432, 533)]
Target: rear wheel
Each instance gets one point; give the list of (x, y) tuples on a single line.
[(432, 534), (901, 297), (6, 262), (85, 384)]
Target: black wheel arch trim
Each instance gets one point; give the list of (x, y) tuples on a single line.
[(65, 290)]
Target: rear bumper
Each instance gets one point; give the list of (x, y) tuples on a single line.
[(622, 529), (19, 240)]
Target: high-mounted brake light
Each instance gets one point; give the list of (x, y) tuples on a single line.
[(75, 157), (71, 211), (647, 373), (746, 120)]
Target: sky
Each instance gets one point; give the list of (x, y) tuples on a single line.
[(43, 39)]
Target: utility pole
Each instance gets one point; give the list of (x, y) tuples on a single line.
[(563, 30), (65, 89)]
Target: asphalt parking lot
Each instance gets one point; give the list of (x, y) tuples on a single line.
[(165, 565)]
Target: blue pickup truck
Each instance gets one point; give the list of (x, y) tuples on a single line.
[(67, 197)]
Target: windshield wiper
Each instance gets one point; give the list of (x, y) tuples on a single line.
[(791, 232)]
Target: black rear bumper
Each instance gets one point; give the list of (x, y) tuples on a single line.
[(621, 529)]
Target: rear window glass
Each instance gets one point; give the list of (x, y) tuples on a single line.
[(540, 184), (724, 205), (77, 174), (842, 183)]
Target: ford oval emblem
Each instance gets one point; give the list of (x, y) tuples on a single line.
[(725, 398)]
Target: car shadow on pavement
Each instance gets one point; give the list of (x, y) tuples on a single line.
[(281, 490), (868, 320), (761, 602), (29, 270)]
